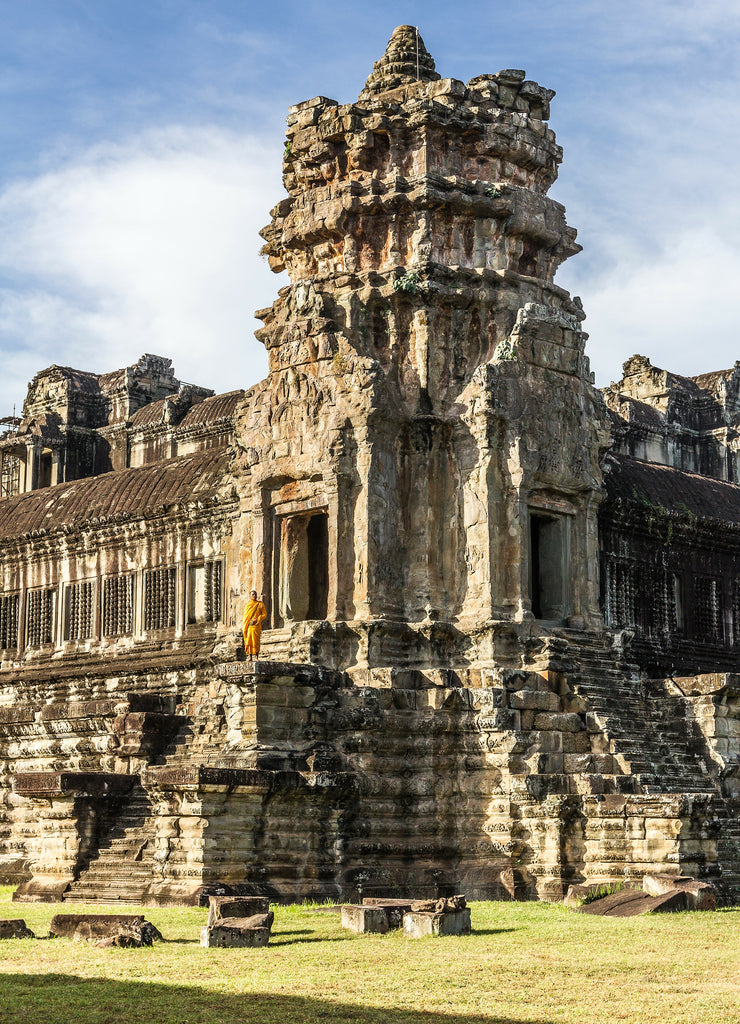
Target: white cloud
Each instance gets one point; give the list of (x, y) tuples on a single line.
[(680, 310), (147, 246)]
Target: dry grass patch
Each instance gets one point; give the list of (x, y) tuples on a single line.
[(524, 963)]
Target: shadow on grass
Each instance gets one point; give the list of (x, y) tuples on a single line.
[(68, 999), (277, 940), (493, 931)]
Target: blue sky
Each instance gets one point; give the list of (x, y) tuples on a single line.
[(140, 154)]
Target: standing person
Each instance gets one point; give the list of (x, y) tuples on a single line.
[(254, 615)]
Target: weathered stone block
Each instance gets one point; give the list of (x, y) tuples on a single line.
[(364, 919), (222, 936), (220, 907), (565, 723), (417, 924), (86, 927), (15, 929), (535, 700)]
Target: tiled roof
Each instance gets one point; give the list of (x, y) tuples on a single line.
[(125, 493), (648, 484), (218, 407)]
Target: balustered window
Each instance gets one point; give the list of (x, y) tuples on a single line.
[(160, 587), (708, 617), (118, 605), (79, 610), (621, 594), (40, 617), (9, 607), (736, 611), (204, 591)]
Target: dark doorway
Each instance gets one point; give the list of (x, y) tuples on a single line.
[(303, 567), (549, 566), (44, 469), (317, 536)]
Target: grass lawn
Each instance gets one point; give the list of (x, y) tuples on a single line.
[(529, 962)]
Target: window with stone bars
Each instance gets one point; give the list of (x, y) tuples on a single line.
[(40, 617), (708, 618), (160, 586), (118, 605), (79, 610), (204, 591), (9, 607), (621, 590), (736, 612)]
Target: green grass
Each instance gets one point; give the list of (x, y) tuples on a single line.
[(524, 963)]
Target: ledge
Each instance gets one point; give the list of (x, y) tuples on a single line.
[(96, 784)]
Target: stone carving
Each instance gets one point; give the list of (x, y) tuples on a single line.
[(503, 607)]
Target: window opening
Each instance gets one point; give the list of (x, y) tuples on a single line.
[(204, 591), (9, 607), (708, 609), (40, 617), (159, 598), (79, 611), (118, 605)]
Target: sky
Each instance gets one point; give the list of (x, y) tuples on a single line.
[(140, 154)]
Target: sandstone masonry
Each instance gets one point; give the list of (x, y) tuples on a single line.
[(503, 608)]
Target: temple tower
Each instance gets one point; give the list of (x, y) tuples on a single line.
[(428, 394)]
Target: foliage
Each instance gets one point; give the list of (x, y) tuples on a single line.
[(504, 351), (600, 891), (524, 962), (407, 283)]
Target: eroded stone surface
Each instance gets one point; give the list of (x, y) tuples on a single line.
[(417, 491), (15, 929)]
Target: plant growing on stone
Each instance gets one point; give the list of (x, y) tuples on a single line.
[(504, 351), (408, 283)]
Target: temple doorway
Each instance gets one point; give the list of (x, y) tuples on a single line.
[(549, 566), (302, 566)]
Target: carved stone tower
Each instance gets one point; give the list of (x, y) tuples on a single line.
[(431, 432)]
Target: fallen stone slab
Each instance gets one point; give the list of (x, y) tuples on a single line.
[(699, 895), (15, 929), (224, 936), (88, 927), (578, 894), (220, 907), (632, 902), (361, 919), (419, 923)]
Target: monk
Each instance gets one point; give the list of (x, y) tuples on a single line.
[(254, 615)]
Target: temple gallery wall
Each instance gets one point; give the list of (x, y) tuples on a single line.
[(503, 635)]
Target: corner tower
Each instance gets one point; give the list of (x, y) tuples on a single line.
[(428, 392)]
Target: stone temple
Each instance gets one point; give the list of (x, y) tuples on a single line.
[(504, 608)]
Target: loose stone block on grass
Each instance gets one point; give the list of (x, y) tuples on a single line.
[(15, 929), (365, 919), (220, 907), (419, 923), (107, 929), (224, 935)]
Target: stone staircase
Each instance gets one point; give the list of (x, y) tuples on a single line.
[(651, 732), (124, 867), (728, 853), (275, 645)]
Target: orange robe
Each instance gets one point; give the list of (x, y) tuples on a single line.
[(252, 631)]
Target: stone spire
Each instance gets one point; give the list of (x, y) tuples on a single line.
[(398, 64)]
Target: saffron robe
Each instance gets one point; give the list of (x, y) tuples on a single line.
[(254, 615)]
